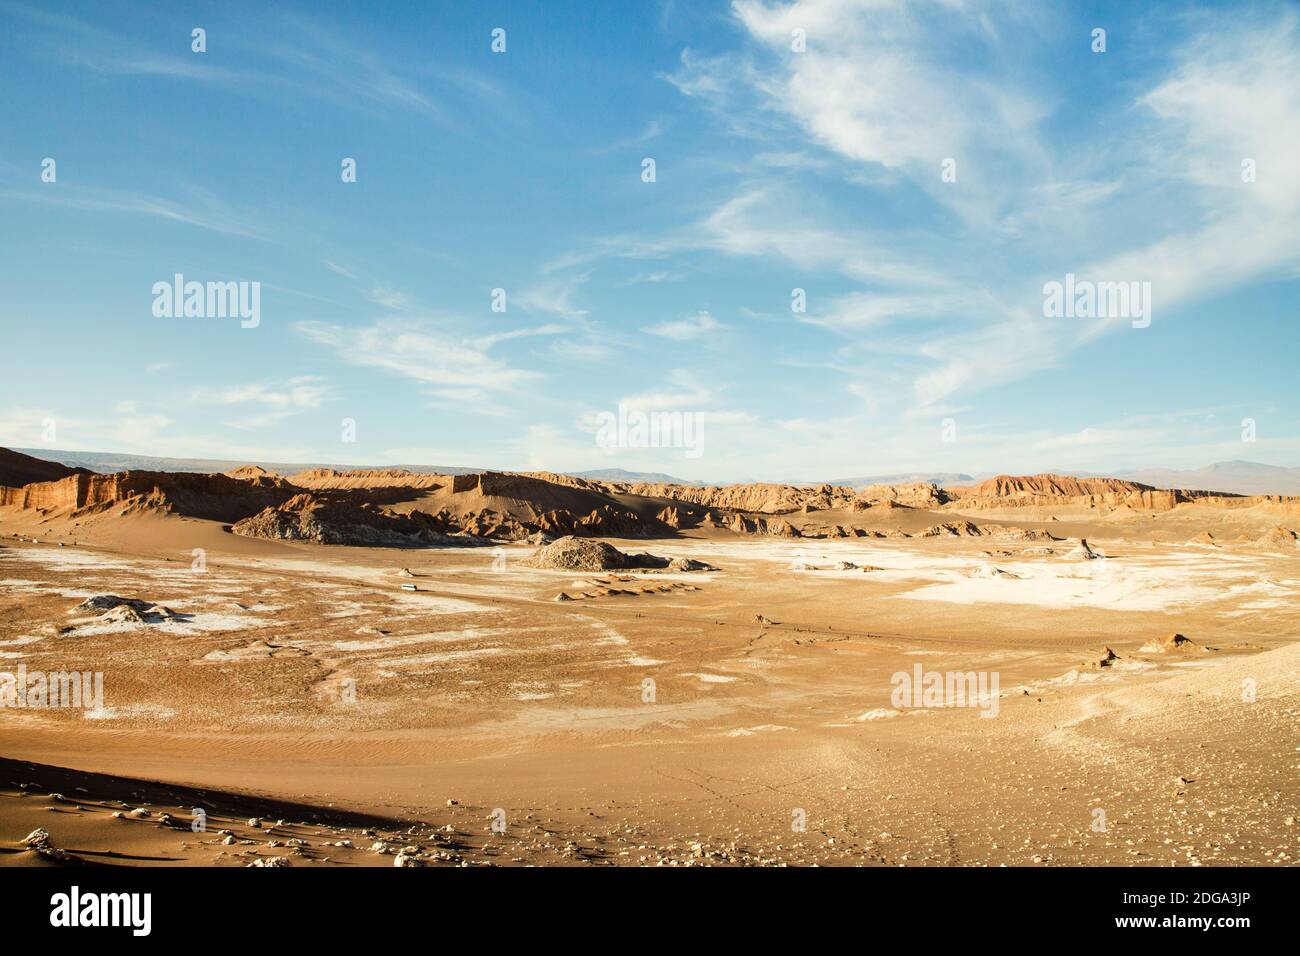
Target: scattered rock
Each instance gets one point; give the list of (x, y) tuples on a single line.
[(953, 529), (123, 614), (1083, 552), (107, 602), (1023, 534), (689, 564), (1171, 643), (1278, 538), (1105, 659), (989, 571)]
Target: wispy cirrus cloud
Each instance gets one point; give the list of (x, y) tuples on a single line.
[(453, 368), (878, 88), (697, 326), (283, 56), (269, 402), (682, 391), (199, 207), (554, 295)]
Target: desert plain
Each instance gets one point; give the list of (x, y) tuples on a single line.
[(363, 668)]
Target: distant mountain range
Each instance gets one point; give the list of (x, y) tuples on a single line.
[(1236, 477), (940, 478), (632, 477), (103, 461)]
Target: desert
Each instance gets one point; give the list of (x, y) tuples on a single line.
[(609, 673), (844, 446)]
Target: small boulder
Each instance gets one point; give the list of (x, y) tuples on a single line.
[(1171, 644), (689, 564), (1105, 659), (1083, 552)]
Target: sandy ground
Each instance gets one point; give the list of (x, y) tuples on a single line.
[(737, 716)]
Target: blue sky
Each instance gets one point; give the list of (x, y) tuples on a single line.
[(775, 170)]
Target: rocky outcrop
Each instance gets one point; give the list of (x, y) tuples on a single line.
[(1278, 539), (1172, 644), (17, 469), (1017, 491), (577, 554), (757, 498), (218, 497), (780, 528), (306, 517), (744, 524), (583, 554), (914, 495), (1083, 552), (485, 524), (673, 517), (953, 529), (774, 499), (250, 473), (1055, 486), (112, 609), (327, 479), (1022, 534)]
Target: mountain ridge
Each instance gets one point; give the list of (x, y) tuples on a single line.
[(1236, 476)]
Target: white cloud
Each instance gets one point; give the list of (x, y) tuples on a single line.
[(554, 296), (684, 392), (199, 209), (1232, 97), (697, 326), (271, 403), (340, 270), (487, 341), (394, 299), (451, 368), (880, 87), (586, 350), (304, 391)]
